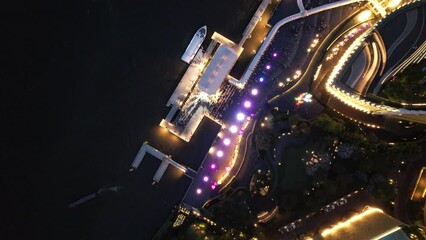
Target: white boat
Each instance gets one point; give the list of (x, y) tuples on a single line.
[(194, 45)]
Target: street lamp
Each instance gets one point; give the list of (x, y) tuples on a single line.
[(364, 15), (240, 116), (233, 129)]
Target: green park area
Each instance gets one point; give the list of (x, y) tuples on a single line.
[(293, 175), (334, 157), (407, 86)]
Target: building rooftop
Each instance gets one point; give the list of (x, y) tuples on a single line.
[(372, 223), (217, 70)]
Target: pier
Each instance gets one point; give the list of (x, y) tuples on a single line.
[(199, 87), (165, 162)]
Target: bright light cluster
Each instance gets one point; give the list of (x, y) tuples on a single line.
[(241, 116), (350, 221), (346, 39), (363, 123), (364, 15), (219, 153), (303, 98), (352, 100), (233, 129), (254, 91), (297, 74)]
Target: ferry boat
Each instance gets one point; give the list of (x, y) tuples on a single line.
[(194, 45)]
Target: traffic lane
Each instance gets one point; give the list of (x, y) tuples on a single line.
[(405, 48), (389, 34)]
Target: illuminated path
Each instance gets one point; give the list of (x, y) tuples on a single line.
[(352, 105), (232, 156)]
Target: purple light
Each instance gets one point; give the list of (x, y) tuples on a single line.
[(205, 178), (275, 54), (261, 79), (254, 92), (213, 187), (268, 67), (226, 141), (247, 104), (240, 116), (199, 191), (219, 153), (233, 129), (213, 166)]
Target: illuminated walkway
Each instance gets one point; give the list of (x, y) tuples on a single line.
[(352, 104)]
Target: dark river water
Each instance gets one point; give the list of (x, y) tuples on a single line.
[(84, 83)]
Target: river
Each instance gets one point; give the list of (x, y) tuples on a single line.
[(85, 83)]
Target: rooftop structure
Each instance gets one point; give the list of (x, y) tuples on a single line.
[(372, 223), (217, 70)]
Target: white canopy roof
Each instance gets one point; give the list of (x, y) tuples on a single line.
[(222, 62)]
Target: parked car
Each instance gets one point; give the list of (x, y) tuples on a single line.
[(329, 208), (290, 227), (341, 202)]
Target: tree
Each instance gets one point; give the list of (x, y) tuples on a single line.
[(293, 120), (263, 140), (330, 187), (406, 86), (291, 201), (233, 211), (195, 231), (345, 181), (366, 165), (383, 191), (325, 123)]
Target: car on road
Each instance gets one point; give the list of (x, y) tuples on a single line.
[(329, 208), (341, 202), (288, 228)]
